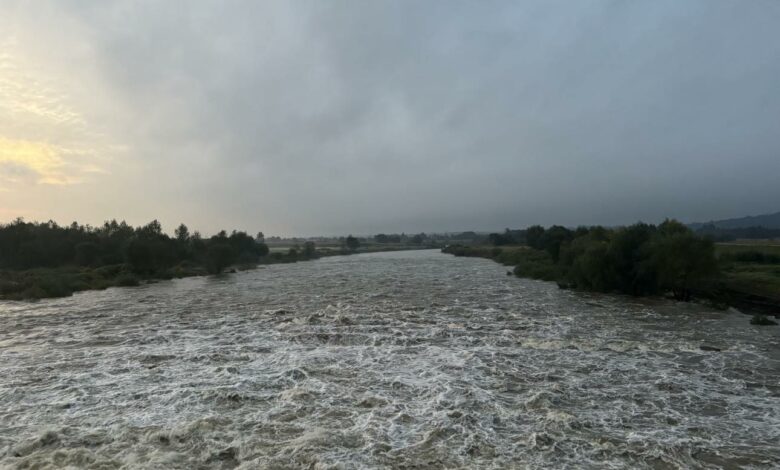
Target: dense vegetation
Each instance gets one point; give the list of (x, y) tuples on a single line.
[(145, 250), (640, 259), (49, 260)]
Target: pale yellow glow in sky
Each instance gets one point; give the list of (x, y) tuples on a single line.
[(43, 137), (54, 152), (43, 160)]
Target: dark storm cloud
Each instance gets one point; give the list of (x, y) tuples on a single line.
[(331, 117)]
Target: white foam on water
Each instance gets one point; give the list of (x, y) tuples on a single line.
[(412, 359)]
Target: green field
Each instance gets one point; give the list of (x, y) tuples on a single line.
[(763, 247), (751, 268)]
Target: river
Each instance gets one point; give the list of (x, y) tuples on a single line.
[(389, 360)]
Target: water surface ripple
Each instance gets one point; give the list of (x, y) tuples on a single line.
[(393, 360)]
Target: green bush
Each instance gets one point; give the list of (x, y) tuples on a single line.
[(640, 259), (164, 274), (55, 287), (109, 271), (9, 287), (127, 280), (34, 292), (536, 270)]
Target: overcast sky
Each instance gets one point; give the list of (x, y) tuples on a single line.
[(335, 117)]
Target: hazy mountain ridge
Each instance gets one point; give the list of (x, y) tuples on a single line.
[(764, 220)]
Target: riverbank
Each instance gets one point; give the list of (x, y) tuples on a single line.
[(40, 283), (747, 281)]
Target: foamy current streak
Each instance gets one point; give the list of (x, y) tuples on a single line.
[(408, 359)]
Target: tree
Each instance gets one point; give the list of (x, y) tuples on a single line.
[(139, 256), (219, 256), (352, 243), (497, 239), (182, 233), (309, 249), (680, 259), (151, 229), (534, 236), (261, 249), (626, 254), (87, 254), (586, 263), (553, 238)]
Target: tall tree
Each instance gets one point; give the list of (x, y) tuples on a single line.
[(352, 243)]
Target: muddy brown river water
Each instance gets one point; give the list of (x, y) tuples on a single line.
[(391, 360)]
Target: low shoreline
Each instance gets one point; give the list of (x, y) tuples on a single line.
[(530, 264), (42, 283)]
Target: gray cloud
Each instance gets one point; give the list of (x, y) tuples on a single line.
[(349, 116)]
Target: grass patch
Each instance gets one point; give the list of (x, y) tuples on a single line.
[(758, 280), (751, 269), (733, 248)]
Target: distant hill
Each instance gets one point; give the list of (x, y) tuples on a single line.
[(767, 221)]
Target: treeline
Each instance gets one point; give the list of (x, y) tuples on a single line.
[(421, 238), (640, 259), (415, 240), (146, 250), (716, 234), (430, 240)]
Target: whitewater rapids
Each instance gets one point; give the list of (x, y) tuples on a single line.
[(394, 360)]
